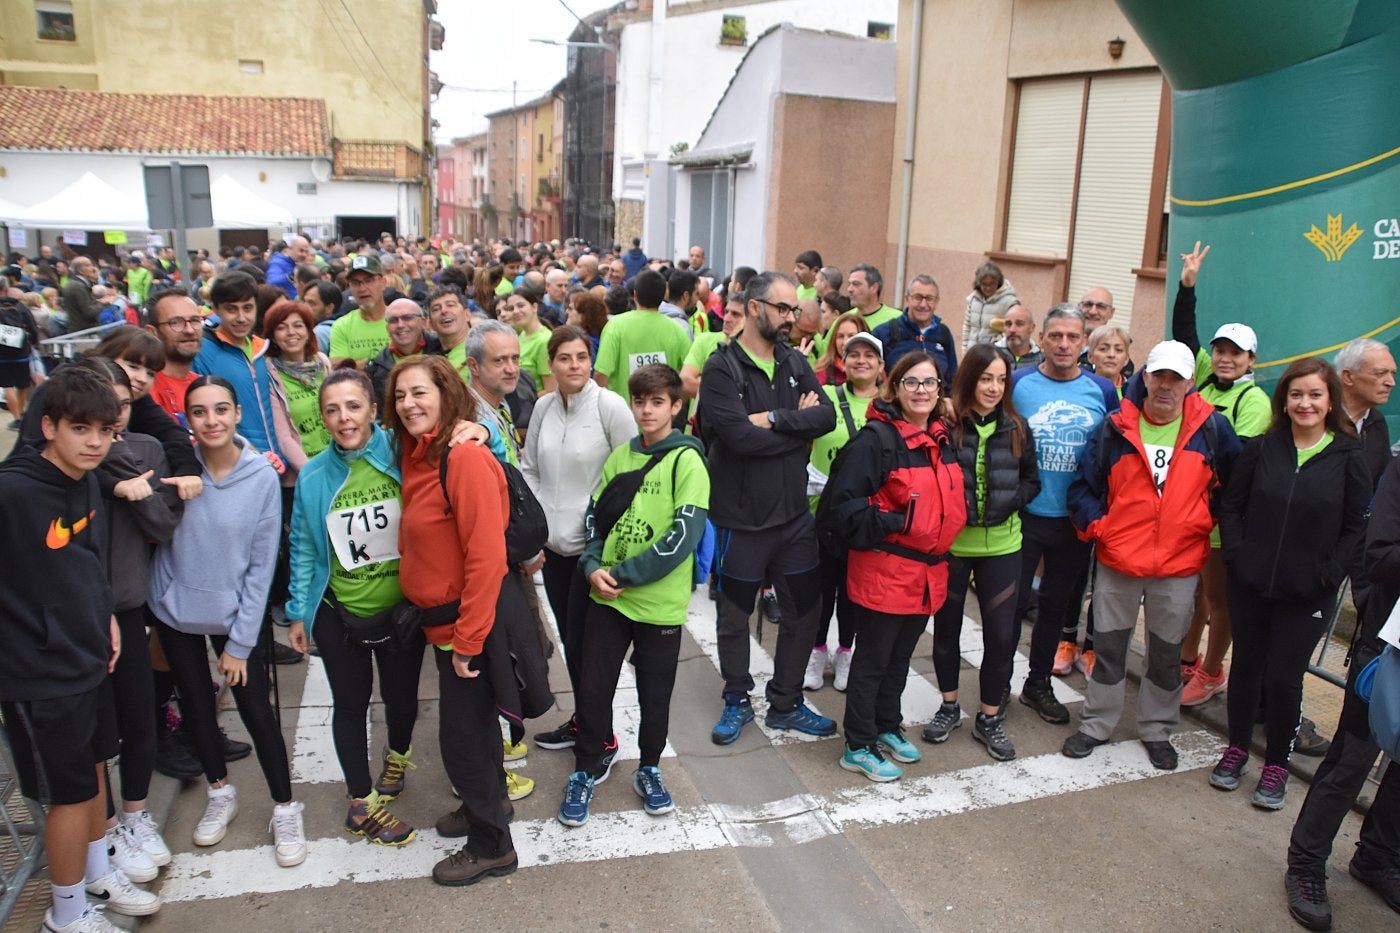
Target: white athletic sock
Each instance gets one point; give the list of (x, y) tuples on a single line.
[(69, 902), (130, 819), (97, 864)]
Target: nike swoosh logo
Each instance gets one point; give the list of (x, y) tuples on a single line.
[(58, 535)]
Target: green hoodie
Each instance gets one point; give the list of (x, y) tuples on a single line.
[(649, 551)]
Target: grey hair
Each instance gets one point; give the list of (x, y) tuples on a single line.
[(1349, 357), (832, 276), (475, 344), (923, 278), (1066, 309), (760, 285)]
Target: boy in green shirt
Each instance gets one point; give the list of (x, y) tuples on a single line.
[(641, 570)]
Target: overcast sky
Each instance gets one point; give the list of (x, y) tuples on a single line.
[(488, 46)]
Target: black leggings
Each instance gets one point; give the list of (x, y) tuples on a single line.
[(567, 592), (133, 694), (350, 670), (1273, 641), (655, 651), (189, 662), (879, 672), (996, 599), (833, 584)]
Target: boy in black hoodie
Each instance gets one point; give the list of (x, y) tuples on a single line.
[(61, 643)]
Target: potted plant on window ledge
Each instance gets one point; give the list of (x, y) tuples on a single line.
[(734, 30)]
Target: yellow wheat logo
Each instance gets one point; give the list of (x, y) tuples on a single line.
[(1334, 242)]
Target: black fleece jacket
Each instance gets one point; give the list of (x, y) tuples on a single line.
[(55, 605)]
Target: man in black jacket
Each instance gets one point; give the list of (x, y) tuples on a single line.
[(761, 406), (1367, 371)]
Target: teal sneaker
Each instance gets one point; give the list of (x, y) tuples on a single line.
[(898, 747), (656, 800), (732, 722), (578, 794), (872, 764)]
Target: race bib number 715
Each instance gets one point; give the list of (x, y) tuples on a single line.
[(365, 535)]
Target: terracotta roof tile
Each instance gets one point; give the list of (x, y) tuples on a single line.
[(56, 118)]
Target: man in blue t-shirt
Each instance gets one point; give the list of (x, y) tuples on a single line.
[(1062, 404)]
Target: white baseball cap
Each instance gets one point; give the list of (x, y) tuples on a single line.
[(1241, 335), (870, 340), (1172, 355)]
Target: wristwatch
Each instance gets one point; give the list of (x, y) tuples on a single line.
[(772, 417)]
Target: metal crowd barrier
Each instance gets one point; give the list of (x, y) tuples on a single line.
[(68, 346), (21, 833)]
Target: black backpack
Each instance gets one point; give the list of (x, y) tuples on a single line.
[(527, 529)]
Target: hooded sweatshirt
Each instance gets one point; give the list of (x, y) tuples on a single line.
[(55, 604), (134, 526), (213, 577)]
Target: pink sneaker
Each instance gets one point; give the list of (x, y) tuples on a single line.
[(1065, 657), (1203, 686)]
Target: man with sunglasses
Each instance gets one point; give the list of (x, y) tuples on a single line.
[(761, 407), (1097, 308)]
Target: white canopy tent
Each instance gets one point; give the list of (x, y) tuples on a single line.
[(237, 208), (88, 204), (8, 211)]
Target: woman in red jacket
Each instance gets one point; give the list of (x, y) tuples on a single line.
[(452, 563), (897, 500)]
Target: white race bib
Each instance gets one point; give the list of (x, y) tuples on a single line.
[(365, 535), (1159, 458), (636, 361), (11, 336)]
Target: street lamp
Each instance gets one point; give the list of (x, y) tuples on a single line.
[(603, 194)]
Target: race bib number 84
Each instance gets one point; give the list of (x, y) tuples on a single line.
[(365, 535), (636, 361)]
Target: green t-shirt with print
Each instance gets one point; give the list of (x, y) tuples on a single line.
[(635, 339), (534, 354), (704, 345), (364, 519), (993, 540), (826, 447), (304, 407), (1305, 455), (681, 479), (352, 337)]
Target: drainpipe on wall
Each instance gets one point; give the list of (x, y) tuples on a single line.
[(910, 122)]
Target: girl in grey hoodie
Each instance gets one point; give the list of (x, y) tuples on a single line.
[(212, 581)]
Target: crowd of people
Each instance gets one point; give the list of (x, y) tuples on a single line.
[(378, 445)]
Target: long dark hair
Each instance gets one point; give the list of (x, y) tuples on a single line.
[(457, 403), (210, 380), (1335, 421), (974, 363)]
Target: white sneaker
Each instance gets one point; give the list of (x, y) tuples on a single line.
[(288, 834), (842, 666), (218, 813), (143, 829), (816, 669), (91, 921), (115, 891), (124, 850)]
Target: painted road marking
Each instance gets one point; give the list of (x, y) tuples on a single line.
[(630, 833), (970, 647)]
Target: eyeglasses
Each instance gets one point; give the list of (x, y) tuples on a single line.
[(1086, 304), (183, 323), (782, 308), (912, 384)]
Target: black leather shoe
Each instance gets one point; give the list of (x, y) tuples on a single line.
[(1161, 754), (1080, 745)]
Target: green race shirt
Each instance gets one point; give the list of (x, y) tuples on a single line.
[(635, 339), (303, 404), (826, 447), (880, 315), (673, 483), (457, 356), (995, 540), (769, 366), (363, 526), (534, 355), (704, 345), (1305, 455), (806, 292), (352, 337)]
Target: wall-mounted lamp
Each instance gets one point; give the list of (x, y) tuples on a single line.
[(1115, 47)]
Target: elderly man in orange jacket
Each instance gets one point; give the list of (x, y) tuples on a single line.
[(1144, 494)]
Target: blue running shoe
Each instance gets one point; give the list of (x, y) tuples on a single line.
[(871, 763), (800, 719), (898, 747), (656, 800), (732, 722), (578, 794)]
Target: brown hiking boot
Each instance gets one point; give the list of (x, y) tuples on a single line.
[(463, 867), (454, 825)]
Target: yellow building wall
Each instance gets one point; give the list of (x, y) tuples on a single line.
[(367, 63)]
